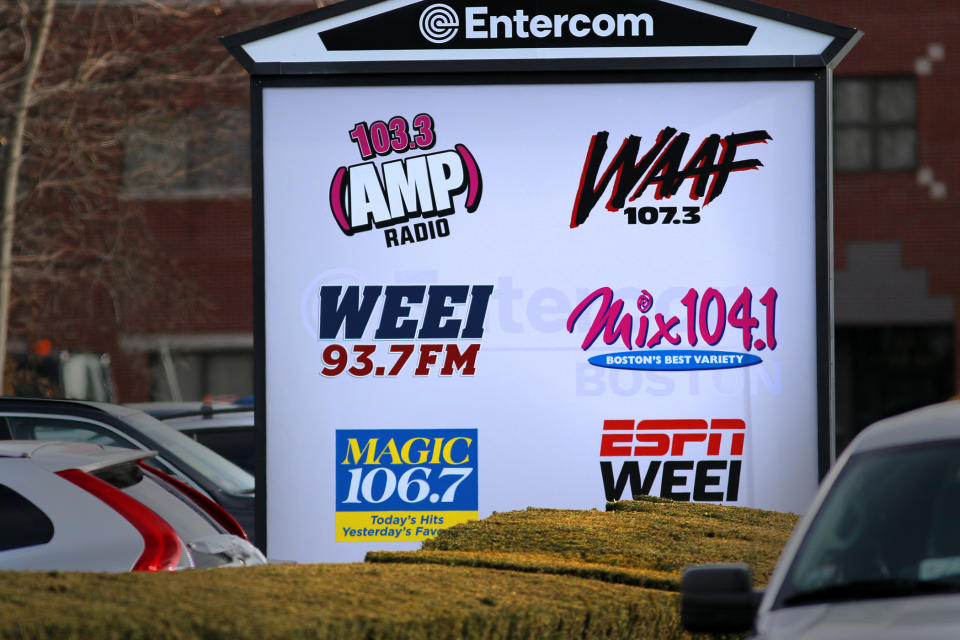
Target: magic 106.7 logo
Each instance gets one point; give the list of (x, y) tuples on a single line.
[(404, 484), (410, 197), (695, 460)]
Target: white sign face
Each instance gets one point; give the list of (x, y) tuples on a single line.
[(483, 298)]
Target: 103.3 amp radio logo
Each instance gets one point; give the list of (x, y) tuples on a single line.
[(411, 197), (695, 460), (404, 484)]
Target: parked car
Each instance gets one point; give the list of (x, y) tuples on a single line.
[(178, 455), (164, 409), (226, 430), (877, 556), (84, 507)]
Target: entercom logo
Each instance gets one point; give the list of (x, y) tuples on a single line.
[(439, 23)]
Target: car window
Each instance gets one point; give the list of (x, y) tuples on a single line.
[(23, 523), (41, 428), (235, 445), (890, 526), (204, 461)]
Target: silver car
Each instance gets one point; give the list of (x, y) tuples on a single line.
[(877, 556), (100, 423), (72, 506)]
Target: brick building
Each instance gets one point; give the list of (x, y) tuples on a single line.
[(896, 242), (134, 194), (896, 192)]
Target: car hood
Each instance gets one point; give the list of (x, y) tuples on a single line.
[(918, 618)]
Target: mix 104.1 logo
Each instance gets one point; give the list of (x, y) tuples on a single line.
[(389, 194), (706, 318)]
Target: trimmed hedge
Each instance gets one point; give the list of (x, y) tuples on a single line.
[(659, 537), (329, 602), (538, 573)]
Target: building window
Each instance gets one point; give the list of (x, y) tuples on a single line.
[(875, 120), (195, 375), (205, 152), (882, 371)]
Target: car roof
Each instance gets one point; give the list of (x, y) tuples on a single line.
[(219, 420), (53, 403), (57, 456), (163, 409), (933, 423)]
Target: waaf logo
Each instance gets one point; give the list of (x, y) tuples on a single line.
[(390, 194), (665, 168)]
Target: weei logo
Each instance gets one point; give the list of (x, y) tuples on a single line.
[(440, 23), (404, 484), (438, 317), (716, 478), (708, 168), (706, 319), (392, 193)]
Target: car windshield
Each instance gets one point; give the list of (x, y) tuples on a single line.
[(890, 527), (211, 465)]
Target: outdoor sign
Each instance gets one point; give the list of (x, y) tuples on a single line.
[(517, 255)]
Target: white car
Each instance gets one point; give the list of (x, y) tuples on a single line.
[(108, 424), (72, 506), (876, 557)]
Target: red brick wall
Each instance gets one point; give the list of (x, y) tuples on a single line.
[(893, 206), (210, 242)]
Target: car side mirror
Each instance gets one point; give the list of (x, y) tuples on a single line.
[(718, 599)]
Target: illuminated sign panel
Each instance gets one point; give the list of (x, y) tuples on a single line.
[(609, 286)]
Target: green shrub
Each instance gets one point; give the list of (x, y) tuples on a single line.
[(328, 602), (648, 534), (537, 573)]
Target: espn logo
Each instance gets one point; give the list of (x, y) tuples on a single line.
[(627, 438), (713, 477)]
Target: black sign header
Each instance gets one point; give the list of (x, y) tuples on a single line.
[(501, 24)]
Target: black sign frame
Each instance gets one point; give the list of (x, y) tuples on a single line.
[(689, 68)]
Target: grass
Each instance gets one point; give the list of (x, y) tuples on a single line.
[(538, 573)]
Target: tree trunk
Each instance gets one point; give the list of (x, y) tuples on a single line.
[(12, 170)]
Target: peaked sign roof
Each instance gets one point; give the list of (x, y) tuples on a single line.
[(358, 36)]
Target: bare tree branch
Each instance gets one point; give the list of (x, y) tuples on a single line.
[(14, 159)]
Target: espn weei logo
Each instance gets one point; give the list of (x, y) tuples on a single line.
[(712, 478)]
